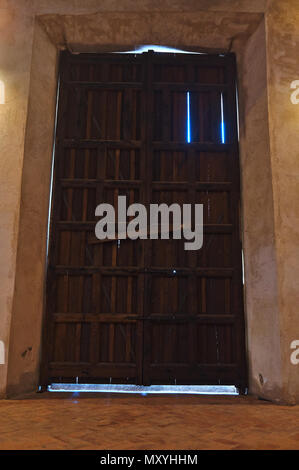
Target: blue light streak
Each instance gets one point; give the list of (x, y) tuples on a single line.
[(188, 119), (222, 121)]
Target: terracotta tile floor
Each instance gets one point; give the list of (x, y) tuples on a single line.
[(51, 421)]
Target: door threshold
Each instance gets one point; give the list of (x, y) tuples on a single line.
[(144, 390)]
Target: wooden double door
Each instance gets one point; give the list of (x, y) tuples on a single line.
[(156, 128)]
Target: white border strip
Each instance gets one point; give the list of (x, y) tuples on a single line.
[(160, 389)]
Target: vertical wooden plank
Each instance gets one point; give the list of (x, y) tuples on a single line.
[(167, 115), (90, 100), (111, 341), (147, 198), (78, 342)]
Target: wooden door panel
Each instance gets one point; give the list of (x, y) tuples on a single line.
[(194, 331), (93, 288), (145, 311)]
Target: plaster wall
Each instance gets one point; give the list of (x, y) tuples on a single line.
[(261, 283), (26, 323), (16, 31), (282, 62)]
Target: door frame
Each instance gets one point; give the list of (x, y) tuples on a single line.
[(232, 130)]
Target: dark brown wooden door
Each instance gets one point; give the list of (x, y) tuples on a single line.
[(155, 128)]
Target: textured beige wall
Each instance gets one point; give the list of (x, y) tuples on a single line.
[(16, 30), (26, 322), (283, 68), (261, 299), (75, 7), (205, 30), (270, 316)]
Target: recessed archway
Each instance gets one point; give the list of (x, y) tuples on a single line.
[(53, 32)]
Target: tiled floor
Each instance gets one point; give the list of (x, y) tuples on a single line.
[(52, 421)]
